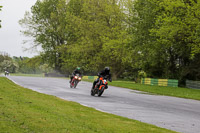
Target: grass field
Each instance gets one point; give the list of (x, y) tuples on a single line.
[(160, 90), (23, 110)]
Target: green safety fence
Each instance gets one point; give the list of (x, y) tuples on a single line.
[(160, 82), (90, 77)]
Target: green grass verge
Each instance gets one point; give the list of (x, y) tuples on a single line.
[(24, 110), (28, 75), (160, 90)]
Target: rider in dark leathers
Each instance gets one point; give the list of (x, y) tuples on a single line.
[(76, 71), (105, 74)]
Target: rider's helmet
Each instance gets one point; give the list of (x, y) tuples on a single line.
[(107, 69), (78, 68)]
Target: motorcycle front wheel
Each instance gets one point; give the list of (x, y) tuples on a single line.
[(100, 92), (75, 84)]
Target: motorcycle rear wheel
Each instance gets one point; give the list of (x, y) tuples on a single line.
[(70, 85), (92, 92), (75, 84)]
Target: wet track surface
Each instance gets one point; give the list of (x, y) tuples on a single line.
[(178, 114)]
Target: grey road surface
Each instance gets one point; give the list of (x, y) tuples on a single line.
[(178, 114)]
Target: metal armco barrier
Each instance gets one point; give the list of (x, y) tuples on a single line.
[(193, 84), (160, 82)]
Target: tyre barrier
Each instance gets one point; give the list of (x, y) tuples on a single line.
[(90, 77), (160, 82)]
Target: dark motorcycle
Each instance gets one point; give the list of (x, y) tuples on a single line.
[(75, 81), (99, 87)]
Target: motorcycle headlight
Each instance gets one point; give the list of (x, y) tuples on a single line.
[(79, 78), (75, 77)]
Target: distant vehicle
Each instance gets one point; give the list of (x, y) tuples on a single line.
[(99, 87), (6, 73), (77, 78)]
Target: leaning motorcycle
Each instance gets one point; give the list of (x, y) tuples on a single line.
[(76, 79), (99, 87)]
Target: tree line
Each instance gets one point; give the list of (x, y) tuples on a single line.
[(153, 38), (6, 63), (25, 65)]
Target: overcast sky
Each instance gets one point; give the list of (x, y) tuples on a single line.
[(10, 37)]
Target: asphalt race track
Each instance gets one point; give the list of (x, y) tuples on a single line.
[(178, 114)]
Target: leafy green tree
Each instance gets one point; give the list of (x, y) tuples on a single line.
[(34, 65), (9, 65), (45, 68), (46, 24), (141, 19), (159, 38), (6, 63), (166, 34), (177, 33), (4, 56), (99, 36)]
